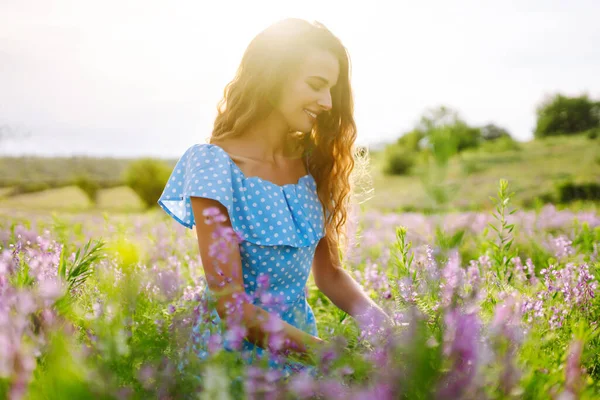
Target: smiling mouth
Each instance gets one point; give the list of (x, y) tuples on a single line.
[(311, 114)]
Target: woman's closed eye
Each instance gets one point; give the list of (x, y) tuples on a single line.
[(316, 88)]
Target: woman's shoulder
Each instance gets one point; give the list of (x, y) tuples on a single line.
[(205, 152), (293, 211), (203, 160)]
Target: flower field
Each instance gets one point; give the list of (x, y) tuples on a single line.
[(494, 305)]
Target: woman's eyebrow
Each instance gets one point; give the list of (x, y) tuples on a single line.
[(325, 81)]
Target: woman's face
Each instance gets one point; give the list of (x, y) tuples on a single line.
[(308, 91)]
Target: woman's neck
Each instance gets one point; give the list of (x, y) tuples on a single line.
[(269, 140)]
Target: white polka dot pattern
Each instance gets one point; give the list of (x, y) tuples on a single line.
[(263, 212)]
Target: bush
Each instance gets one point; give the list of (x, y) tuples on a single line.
[(468, 137), (563, 115), (537, 201), (470, 166), (570, 191), (147, 178), (411, 140), (398, 160), (32, 187), (89, 186), (491, 132), (593, 133)]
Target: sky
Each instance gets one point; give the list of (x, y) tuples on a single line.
[(129, 78)]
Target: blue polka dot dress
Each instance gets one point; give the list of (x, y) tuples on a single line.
[(280, 227)]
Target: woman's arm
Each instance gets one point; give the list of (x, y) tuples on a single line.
[(337, 284), (224, 277)]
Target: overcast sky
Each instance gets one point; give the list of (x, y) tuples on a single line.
[(142, 78)]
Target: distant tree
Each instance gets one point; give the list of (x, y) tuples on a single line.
[(493, 132), (468, 137), (497, 139), (562, 115), (440, 132), (438, 117), (412, 140), (445, 118)]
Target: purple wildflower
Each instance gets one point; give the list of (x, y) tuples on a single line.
[(332, 389), (506, 328), (461, 343), (302, 385), (452, 278), (260, 384), (573, 370), (215, 343), (561, 247), (235, 335)]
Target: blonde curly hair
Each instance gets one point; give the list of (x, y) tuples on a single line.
[(330, 147)]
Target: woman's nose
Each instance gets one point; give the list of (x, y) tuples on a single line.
[(325, 102)]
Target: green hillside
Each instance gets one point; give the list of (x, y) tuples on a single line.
[(532, 171)]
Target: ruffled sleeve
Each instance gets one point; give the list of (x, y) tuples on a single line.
[(200, 172), (260, 211)]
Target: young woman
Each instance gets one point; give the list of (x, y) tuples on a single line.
[(277, 167)]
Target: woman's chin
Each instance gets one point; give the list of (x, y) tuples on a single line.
[(307, 128), (302, 127)]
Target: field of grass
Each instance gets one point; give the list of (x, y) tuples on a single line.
[(104, 300), (474, 315), (531, 171)]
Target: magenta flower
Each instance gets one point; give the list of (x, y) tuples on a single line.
[(263, 282), (333, 389), (561, 247), (452, 278), (461, 344), (573, 370), (235, 335), (379, 391), (261, 384), (215, 343), (273, 324), (302, 385)]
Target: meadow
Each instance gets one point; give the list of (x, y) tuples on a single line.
[(492, 300)]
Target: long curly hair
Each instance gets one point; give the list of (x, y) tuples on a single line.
[(329, 148)]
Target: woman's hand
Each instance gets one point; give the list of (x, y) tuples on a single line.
[(311, 353)]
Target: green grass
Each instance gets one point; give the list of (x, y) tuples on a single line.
[(119, 198), (4, 192), (71, 198), (531, 171)]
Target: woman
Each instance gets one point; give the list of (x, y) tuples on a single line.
[(277, 167)]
